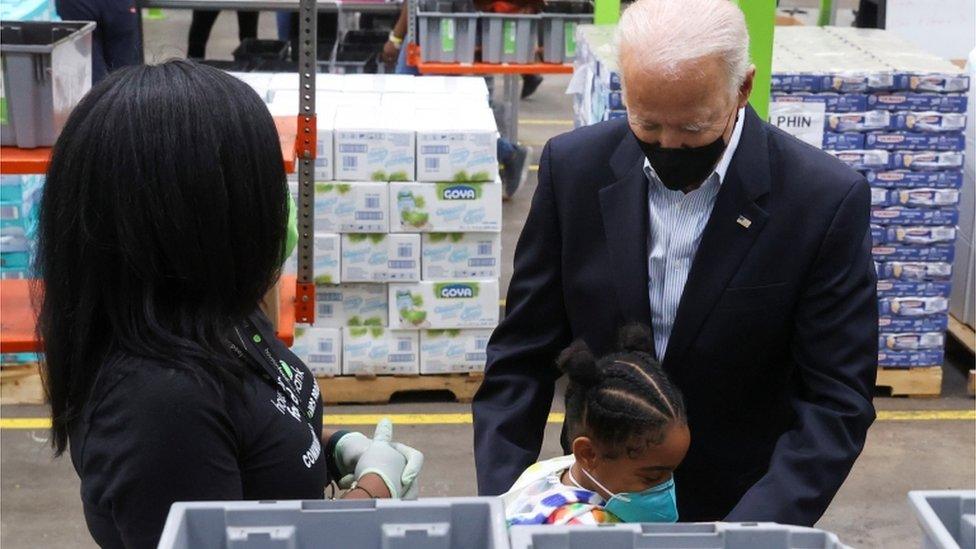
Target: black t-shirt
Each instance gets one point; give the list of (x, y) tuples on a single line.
[(152, 434)]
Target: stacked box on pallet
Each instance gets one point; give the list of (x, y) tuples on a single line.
[(897, 115), (407, 225), (20, 197)]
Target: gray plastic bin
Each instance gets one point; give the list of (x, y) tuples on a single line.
[(947, 517), (689, 536), (46, 69), (437, 523), (509, 38), (559, 35), (447, 37)]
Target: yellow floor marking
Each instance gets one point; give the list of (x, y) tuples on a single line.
[(546, 121), (556, 417)]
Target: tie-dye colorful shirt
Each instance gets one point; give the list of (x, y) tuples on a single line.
[(539, 497)]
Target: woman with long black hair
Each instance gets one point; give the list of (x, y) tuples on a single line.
[(162, 225)]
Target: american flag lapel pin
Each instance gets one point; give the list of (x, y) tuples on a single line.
[(744, 221)]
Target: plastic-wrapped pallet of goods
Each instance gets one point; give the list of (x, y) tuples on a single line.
[(411, 210), (894, 113)]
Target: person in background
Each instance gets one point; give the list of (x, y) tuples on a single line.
[(116, 41), (203, 22), (628, 432), (163, 223), (513, 158)]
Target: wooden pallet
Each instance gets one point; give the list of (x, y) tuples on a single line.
[(380, 389), (21, 385), (962, 333), (912, 382)]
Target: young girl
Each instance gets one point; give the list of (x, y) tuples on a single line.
[(628, 432)]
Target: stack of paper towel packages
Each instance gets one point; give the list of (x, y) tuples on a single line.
[(887, 109), (407, 251)]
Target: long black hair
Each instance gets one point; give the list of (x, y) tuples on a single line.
[(162, 224), (623, 400)]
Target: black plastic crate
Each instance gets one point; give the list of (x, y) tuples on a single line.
[(252, 49), (229, 66)]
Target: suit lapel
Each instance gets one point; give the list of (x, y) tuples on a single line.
[(726, 239), (623, 206)]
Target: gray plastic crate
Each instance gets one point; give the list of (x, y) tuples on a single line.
[(46, 71), (437, 523), (689, 536), (509, 38), (559, 35), (947, 517), (447, 37)]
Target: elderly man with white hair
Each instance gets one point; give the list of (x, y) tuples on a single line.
[(747, 253)]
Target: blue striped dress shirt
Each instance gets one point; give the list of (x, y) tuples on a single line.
[(676, 224)]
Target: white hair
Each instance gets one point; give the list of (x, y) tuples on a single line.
[(662, 34)]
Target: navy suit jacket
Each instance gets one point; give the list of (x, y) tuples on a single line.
[(774, 344)]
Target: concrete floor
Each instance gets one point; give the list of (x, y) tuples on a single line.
[(40, 505)]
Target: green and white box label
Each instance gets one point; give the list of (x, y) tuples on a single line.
[(447, 35), (509, 37)]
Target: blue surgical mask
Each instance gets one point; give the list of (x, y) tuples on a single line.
[(656, 504)]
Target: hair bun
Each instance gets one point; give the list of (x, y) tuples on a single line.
[(635, 338), (578, 363)]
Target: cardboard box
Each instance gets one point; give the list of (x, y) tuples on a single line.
[(911, 101), (378, 83), (833, 102), (324, 82), (908, 288), (352, 207), (351, 305), (444, 305), (906, 179), (925, 197), (858, 121), (912, 306), (368, 351), (286, 104), (380, 257), (320, 349), (918, 324), (930, 121), (453, 351), (374, 144), (911, 341), (910, 359), (325, 261), (918, 235), (461, 256), (843, 141), (446, 207), (914, 271), (471, 86), (864, 159), (457, 145), (898, 252), (927, 160), (900, 215), (915, 141)]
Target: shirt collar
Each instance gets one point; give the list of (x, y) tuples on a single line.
[(723, 164)]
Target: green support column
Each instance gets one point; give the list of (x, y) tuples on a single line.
[(606, 12), (761, 21)]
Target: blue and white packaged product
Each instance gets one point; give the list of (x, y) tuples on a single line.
[(878, 234), (880, 197), (898, 252), (940, 83), (910, 359), (930, 121), (901, 215), (865, 159), (615, 100), (915, 235), (911, 101), (858, 121), (925, 197), (916, 141), (916, 271), (911, 341), (907, 179), (927, 160), (801, 83), (843, 141), (833, 102), (908, 288), (912, 306), (916, 324)]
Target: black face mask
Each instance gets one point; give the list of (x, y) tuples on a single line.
[(681, 168)]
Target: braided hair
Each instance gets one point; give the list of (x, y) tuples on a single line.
[(623, 400)]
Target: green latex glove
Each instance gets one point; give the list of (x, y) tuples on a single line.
[(291, 233), (397, 464)]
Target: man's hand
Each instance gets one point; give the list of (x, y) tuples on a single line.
[(390, 53), (397, 464)]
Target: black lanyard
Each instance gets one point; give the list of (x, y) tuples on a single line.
[(254, 344)]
